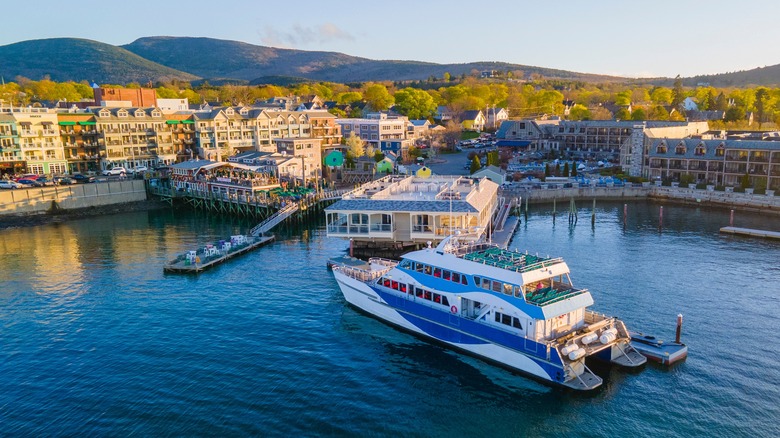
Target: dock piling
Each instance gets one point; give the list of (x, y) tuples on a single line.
[(661, 217), (625, 215), (731, 218), (679, 328)]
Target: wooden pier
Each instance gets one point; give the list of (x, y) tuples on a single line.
[(194, 262), (751, 232)]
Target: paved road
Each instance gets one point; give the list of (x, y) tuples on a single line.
[(453, 164)]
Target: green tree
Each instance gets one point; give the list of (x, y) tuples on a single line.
[(639, 114), (661, 96), (166, 93), (762, 100), (720, 102), (355, 145), (622, 114), (734, 114), (379, 156), (566, 169), (678, 94), (475, 164), (574, 169), (557, 169), (447, 76), (348, 97), (623, 98), (579, 112), (378, 97), (414, 103), (547, 170), (659, 113)]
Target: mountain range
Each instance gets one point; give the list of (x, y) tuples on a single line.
[(165, 58)]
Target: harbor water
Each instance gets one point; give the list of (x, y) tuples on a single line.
[(95, 340)]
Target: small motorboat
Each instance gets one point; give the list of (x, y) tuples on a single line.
[(665, 353)]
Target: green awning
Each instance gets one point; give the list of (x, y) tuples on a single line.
[(66, 123), (188, 122), (172, 122), (87, 123)]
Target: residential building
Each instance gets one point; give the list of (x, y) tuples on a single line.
[(495, 116), (11, 160), (376, 128), (412, 210), (473, 120), (493, 173), (307, 153), (168, 106)]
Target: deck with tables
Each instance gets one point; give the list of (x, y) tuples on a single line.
[(510, 260), (194, 262)]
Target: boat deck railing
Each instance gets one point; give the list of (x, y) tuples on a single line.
[(510, 260), (550, 295), (369, 274)]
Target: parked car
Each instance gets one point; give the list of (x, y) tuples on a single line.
[(79, 178), (63, 180), (115, 171), (26, 176), (139, 170), (27, 183), (45, 181), (9, 184)]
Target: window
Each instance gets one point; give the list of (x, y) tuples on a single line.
[(428, 270), (680, 149), (447, 275), (394, 285), (456, 277), (661, 149), (496, 286), (720, 151), (386, 282), (419, 267), (507, 289), (437, 272), (445, 301)]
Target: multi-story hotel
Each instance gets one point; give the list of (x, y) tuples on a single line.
[(224, 132), (80, 136), (30, 136), (716, 162)]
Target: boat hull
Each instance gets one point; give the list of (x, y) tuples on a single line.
[(362, 296)]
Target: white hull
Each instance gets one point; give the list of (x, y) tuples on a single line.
[(360, 295)]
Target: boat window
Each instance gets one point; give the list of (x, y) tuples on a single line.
[(428, 269), (436, 298), (507, 289), (404, 264), (419, 292), (437, 272), (506, 320), (496, 286), (477, 281), (445, 301), (463, 280), (403, 287), (516, 323), (386, 282), (518, 291), (456, 277), (395, 285), (498, 317), (427, 295), (419, 267), (446, 275)]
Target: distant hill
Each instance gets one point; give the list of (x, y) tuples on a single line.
[(767, 76), (164, 58), (72, 59), (234, 59)]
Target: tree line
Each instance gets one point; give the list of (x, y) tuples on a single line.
[(574, 100)]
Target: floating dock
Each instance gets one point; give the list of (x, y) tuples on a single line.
[(751, 232), (194, 262)]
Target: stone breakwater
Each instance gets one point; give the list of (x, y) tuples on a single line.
[(738, 201), (51, 199)]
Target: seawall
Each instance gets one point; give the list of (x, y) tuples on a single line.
[(46, 199), (737, 201)]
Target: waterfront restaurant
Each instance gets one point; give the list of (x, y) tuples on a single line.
[(412, 209), (224, 179)]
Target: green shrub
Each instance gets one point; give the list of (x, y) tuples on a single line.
[(720, 188)]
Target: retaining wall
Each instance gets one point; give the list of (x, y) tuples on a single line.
[(39, 200)]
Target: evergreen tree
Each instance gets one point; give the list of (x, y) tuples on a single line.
[(678, 94), (475, 164), (546, 170), (745, 183), (720, 102), (574, 169), (566, 169), (557, 169)]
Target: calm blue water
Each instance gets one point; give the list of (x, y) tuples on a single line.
[(95, 340)]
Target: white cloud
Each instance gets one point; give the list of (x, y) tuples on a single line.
[(299, 36)]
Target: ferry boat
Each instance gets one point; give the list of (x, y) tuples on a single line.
[(518, 310)]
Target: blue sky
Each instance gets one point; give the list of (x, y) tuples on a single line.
[(627, 38)]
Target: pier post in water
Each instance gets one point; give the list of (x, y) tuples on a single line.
[(679, 328), (625, 214), (661, 217), (593, 214), (553, 211), (351, 248), (731, 218)]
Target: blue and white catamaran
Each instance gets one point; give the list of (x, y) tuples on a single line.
[(516, 309)]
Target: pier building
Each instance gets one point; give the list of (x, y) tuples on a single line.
[(399, 211)]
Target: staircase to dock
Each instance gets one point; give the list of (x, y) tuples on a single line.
[(274, 220)]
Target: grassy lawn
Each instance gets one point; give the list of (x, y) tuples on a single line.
[(468, 135)]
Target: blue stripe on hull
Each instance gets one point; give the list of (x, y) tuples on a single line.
[(446, 327)]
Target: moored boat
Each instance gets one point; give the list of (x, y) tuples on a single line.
[(518, 310)]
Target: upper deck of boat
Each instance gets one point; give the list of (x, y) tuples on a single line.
[(509, 260)]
